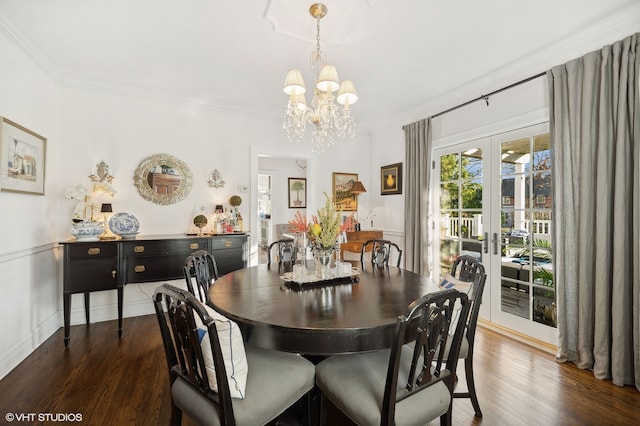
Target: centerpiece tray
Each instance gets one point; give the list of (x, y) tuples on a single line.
[(310, 280)]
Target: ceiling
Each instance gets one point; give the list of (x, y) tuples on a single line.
[(403, 55)]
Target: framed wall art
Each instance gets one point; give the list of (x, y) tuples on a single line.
[(297, 193), (391, 179), (22, 159), (342, 183)]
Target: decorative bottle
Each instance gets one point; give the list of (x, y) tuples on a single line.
[(239, 224)]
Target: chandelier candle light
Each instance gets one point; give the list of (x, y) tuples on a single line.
[(324, 114)]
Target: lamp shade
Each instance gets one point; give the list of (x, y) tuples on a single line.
[(347, 94), (293, 83), (106, 208), (328, 80), (357, 188)]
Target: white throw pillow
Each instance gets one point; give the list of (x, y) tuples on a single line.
[(232, 345), (448, 282)]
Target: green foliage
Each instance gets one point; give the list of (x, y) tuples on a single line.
[(454, 172), (329, 218), (540, 250), (544, 275), (539, 242)]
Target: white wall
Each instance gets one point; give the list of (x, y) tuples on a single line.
[(28, 261)]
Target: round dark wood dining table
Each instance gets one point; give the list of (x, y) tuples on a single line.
[(324, 320)]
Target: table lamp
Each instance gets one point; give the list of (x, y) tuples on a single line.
[(357, 188), (105, 209)]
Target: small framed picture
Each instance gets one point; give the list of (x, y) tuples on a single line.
[(391, 179), (297, 193), (22, 159), (342, 196)]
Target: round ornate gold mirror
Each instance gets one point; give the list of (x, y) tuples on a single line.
[(163, 179)]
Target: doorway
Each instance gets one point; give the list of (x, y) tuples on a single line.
[(272, 169), (493, 201)]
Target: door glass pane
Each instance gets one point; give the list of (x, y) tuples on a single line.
[(527, 288), (471, 233), (472, 193), (541, 152), (449, 168), (448, 254), (461, 194), (449, 195)]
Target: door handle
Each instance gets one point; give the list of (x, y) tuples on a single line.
[(495, 243), (486, 242)]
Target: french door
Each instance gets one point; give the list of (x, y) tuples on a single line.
[(493, 201)]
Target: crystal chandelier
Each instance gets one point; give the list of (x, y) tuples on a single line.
[(326, 117)]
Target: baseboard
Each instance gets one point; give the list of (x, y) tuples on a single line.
[(21, 350), (137, 302), (520, 337)]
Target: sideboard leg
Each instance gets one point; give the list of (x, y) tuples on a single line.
[(86, 306), (120, 301), (67, 317)]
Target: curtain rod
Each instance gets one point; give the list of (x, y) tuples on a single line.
[(486, 97)]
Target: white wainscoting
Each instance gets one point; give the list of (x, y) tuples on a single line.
[(30, 292)]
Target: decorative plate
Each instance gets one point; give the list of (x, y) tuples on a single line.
[(124, 224)]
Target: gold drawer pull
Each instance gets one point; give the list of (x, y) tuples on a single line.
[(228, 243), (93, 251), (138, 249), (194, 246), (139, 268)]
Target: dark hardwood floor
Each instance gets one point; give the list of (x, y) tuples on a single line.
[(107, 380)]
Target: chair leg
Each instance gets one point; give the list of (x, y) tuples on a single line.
[(468, 370), (311, 407), (322, 417), (176, 415), (445, 419)]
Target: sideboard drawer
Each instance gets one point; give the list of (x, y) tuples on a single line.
[(92, 250), (228, 242), (95, 267), (141, 269), (158, 260), (164, 247), (229, 252)]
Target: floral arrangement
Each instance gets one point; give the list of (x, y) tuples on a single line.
[(85, 195), (324, 228)]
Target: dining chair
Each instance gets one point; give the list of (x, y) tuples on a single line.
[(200, 267), (469, 269), (379, 252), (285, 251), (407, 384), (274, 382)]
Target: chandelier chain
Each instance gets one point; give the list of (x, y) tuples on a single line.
[(318, 34)]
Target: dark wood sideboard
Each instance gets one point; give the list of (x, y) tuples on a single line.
[(111, 264)]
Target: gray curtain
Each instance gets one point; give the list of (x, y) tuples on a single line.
[(595, 131), (417, 137)]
